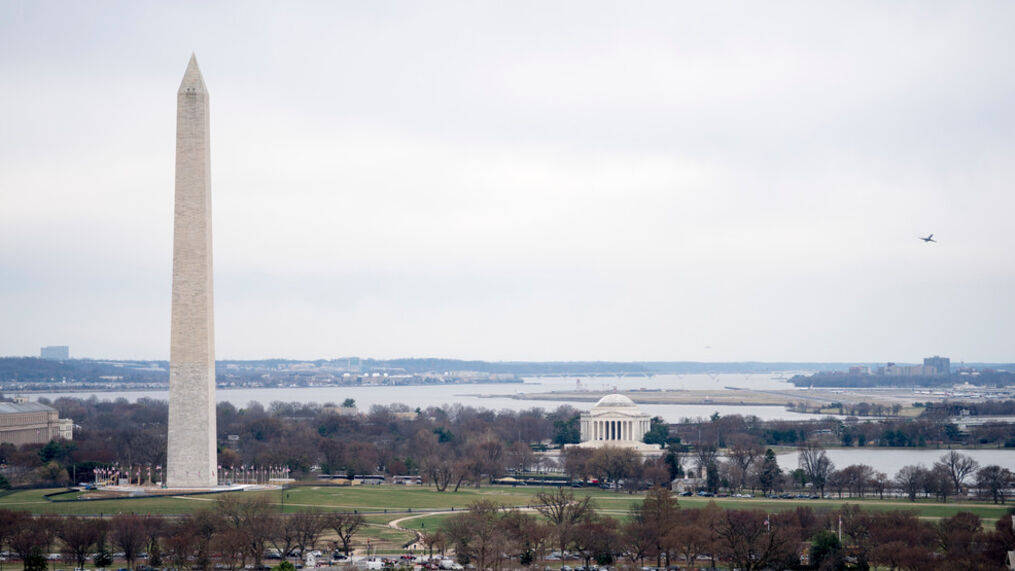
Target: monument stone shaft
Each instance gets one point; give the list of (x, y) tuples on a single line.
[(191, 457)]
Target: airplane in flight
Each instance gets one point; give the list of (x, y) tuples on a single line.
[(929, 238)]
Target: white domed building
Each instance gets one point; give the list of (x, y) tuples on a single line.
[(616, 421)]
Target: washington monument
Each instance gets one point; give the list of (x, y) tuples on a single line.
[(191, 458)]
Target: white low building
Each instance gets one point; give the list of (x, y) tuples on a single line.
[(616, 421)]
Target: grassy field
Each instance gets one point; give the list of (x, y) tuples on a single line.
[(386, 503)]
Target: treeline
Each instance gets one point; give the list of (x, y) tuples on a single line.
[(462, 445), (986, 378), (748, 468), (659, 530), (884, 432), (35, 370), (847, 409), (945, 409), (228, 535)]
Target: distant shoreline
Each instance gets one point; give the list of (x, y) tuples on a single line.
[(725, 397), (10, 391)]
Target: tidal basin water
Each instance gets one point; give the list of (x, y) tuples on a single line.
[(890, 460), (499, 396)]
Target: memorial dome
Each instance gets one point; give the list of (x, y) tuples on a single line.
[(615, 401)]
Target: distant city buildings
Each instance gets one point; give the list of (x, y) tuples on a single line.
[(55, 353), (932, 367), (32, 423), (943, 365)]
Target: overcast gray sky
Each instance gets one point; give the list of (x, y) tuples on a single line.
[(514, 180)]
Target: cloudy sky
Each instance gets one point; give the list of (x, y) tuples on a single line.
[(581, 180)]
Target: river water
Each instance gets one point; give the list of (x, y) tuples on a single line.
[(499, 396)]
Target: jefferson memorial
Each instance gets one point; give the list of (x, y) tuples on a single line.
[(616, 421)]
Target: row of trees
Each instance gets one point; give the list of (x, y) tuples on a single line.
[(838, 379), (749, 467), (926, 430), (659, 530), (950, 476), (850, 409), (231, 534), (304, 437)]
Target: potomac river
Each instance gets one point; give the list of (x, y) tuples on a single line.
[(499, 396)]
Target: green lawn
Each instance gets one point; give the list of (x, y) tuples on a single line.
[(33, 501), (399, 499), (376, 498), (427, 522)]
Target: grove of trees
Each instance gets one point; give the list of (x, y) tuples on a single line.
[(230, 534), (660, 532)]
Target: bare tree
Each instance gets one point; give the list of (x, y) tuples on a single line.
[(254, 521), (180, 544), (477, 535), (690, 540), (743, 453), (346, 525), (576, 462), (128, 534), (705, 456), (10, 523), (285, 538), (33, 537), (527, 535), (749, 540), (594, 536), (816, 465), (435, 540), (910, 479), (230, 545), (958, 467), (562, 509), (202, 526), (939, 482), (615, 464), (879, 483), (79, 536), (994, 481), (309, 526), (153, 529)]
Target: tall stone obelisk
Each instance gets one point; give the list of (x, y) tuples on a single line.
[(191, 458)]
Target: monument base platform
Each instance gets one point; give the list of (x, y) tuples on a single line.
[(130, 491)]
